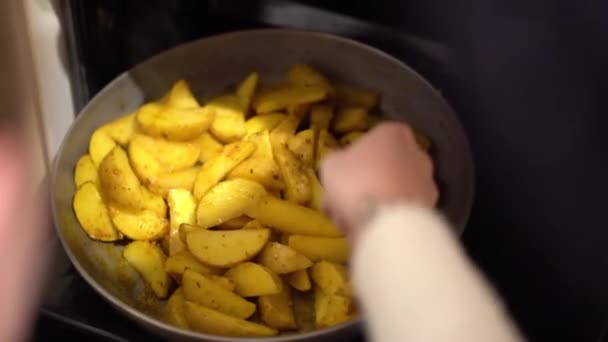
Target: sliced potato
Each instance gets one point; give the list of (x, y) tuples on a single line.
[(276, 310), (210, 147), (149, 260), (291, 218), (140, 225), (85, 171), (119, 182), (254, 280), (350, 138), (321, 116), (100, 145), (174, 311), (226, 248), (219, 166), (262, 143), (210, 321), (246, 90), (92, 214), (173, 123), (182, 209), (331, 309), (321, 248), (299, 280), (305, 75), (180, 96), (316, 189), (235, 223), (283, 259), (302, 146), (350, 119), (202, 290), (258, 169), (285, 96), (356, 97), (183, 180), (228, 200), (229, 123), (332, 278), (177, 264), (223, 282), (266, 122), (293, 172)]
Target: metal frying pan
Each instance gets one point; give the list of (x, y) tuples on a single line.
[(211, 66)]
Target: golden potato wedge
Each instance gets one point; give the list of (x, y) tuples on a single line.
[(285, 96), (210, 147), (293, 173), (202, 290), (332, 278), (185, 228), (299, 280), (350, 138), (228, 200), (266, 122), (119, 182), (283, 259), (85, 171), (285, 129), (229, 123), (321, 116), (325, 144), (321, 248), (264, 171), (154, 203), (302, 146), (246, 90), (174, 311), (219, 166), (182, 209), (177, 264), (173, 155), (253, 224), (226, 248), (173, 123), (139, 225), (291, 218), (180, 96), (305, 75), (145, 164), (316, 189), (100, 146), (183, 179), (92, 214), (210, 321), (331, 309), (356, 97), (121, 130), (149, 260), (262, 143), (254, 280), (276, 310), (223, 282), (235, 223), (350, 119)]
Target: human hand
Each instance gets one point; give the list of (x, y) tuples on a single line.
[(385, 165)]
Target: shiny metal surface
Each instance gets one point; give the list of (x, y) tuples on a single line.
[(212, 66)]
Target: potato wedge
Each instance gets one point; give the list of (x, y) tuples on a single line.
[(262, 143), (283, 259), (121, 130), (182, 209), (320, 117), (228, 200), (302, 145), (286, 129), (325, 144), (145, 164), (210, 321), (92, 214), (332, 278), (285, 96), (355, 96), (140, 225), (226, 248), (235, 223), (253, 224), (299, 280), (119, 182), (264, 171), (246, 90), (177, 264), (350, 138), (254, 280), (276, 310), (331, 309), (174, 311), (210, 147), (350, 119), (316, 189), (219, 166), (173, 155), (305, 75), (173, 123), (266, 122), (183, 180), (184, 229), (223, 282), (321, 248), (85, 171), (180, 96), (202, 290), (154, 203), (149, 260), (293, 172), (229, 123), (100, 146), (291, 218)]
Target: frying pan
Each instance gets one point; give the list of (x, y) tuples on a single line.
[(211, 66)]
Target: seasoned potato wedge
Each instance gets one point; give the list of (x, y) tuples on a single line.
[(293, 172), (226, 248), (246, 90), (321, 248), (283, 97), (119, 182), (279, 136), (219, 166), (253, 224), (177, 264), (316, 190), (332, 278), (276, 310), (235, 223), (266, 122), (175, 313), (229, 123), (262, 143), (321, 116), (100, 145), (305, 75), (185, 228), (145, 164), (299, 280), (254, 280), (291, 218), (149, 260), (154, 203), (283, 259), (350, 119), (302, 145), (356, 97), (183, 180), (210, 321), (350, 138), (325, 144), (202, 290), (331, 309), (223, 282), (85, 171), (180, 96), (92, 214), (121, 130), (210, 147), (264, 171), (182, 209), (228, 200), (173, 123), (140, 225), (172, 155)]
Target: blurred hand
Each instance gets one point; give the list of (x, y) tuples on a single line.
[(385, 165)]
